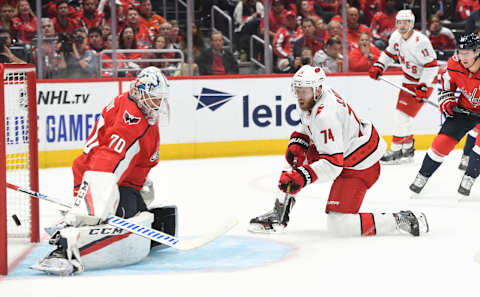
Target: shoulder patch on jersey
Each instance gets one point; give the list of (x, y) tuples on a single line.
[(130, 119), (319, 109)]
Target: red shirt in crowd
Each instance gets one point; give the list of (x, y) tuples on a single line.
[(370, 8), (274, 21), (383, 25), (443, 40), (284, 40), (97, 21), (217, 65), (25, 30), (71, 25), (466, 7), (361, 63), (353, 35), (52, 10)]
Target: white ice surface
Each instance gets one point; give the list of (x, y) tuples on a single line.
[(440, 264)]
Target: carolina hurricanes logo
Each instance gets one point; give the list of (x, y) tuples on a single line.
[(129, 119), (319, 109)]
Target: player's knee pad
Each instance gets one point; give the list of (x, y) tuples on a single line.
[(96, 200), (105, 246), (442, 145), (165, 219), (340, 224), (403, 124)]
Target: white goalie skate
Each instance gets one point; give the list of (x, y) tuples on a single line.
[(412, 223), (65, 259)]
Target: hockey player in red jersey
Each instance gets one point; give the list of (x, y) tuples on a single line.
[(333, 143), (419, 65), (462, 73), (109, 177)]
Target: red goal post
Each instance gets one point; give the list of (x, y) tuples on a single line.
[(18, 155)]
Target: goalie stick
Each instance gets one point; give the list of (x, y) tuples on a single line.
[(152, 234)]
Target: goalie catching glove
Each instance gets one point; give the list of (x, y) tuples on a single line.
[(447, 102), (297, 148), (293, 181)]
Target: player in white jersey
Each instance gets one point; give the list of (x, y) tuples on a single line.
[(334, 144), (419, 65)]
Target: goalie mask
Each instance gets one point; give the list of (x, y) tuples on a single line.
[(308, 77), (150, 91), (405, 15)]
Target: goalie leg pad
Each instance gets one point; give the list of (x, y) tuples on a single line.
[(96, 200), (104, 246), (165, 219)]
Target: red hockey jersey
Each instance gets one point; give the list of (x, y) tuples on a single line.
[(454, 77), (121, 142)]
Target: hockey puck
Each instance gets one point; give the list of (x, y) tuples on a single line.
[(16, 220)]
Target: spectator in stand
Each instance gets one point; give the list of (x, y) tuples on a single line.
[(51, 8), (121, 16), (283, 42), (142, 34), (327, 8), (106, 30), (128, 40), (246, 17), (370, 8), (383, 24), (108, 66), (151, 20), (473, 22), (81, 62), (441, 37), (306, 9), (63, 23), (159, 42), (334, 29), (329, 59), (165, 29), (6, 15), (88, 15), (198, 43), (354, 28), (24, 27), (50, 49), (95, 39), (174, 37), (216, 60), (321, 29), (6, 55), (362, 57), (305, 58), (309, 39), (466, 7), (276, 18)]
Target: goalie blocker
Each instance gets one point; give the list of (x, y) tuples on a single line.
[(83, 243)]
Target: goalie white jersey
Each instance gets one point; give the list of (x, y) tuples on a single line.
[(416, 55), (342, 140)]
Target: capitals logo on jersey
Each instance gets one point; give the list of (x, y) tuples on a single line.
[(129, 119), (471, 96)]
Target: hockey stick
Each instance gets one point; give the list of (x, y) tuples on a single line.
[(455, 109), (407, 91), (152, 234)]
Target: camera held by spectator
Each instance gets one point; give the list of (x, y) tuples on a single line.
[(66, 42)]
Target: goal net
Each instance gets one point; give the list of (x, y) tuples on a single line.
[(18, 156)]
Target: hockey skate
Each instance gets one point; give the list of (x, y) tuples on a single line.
[(57, 263), (391, 157), (408, 155), (418, 184), (65, 259), (272, 222), (463, 162), (412, 223), (466, 185)]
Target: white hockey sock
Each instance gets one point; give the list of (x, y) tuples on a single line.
[(366, 224), (407, 145), (395, 146)]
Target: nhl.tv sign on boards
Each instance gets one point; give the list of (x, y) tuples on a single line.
[(261, 115)]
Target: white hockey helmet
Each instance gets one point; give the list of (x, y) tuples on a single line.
[(308, 76), (149, 86), (406, 15)]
